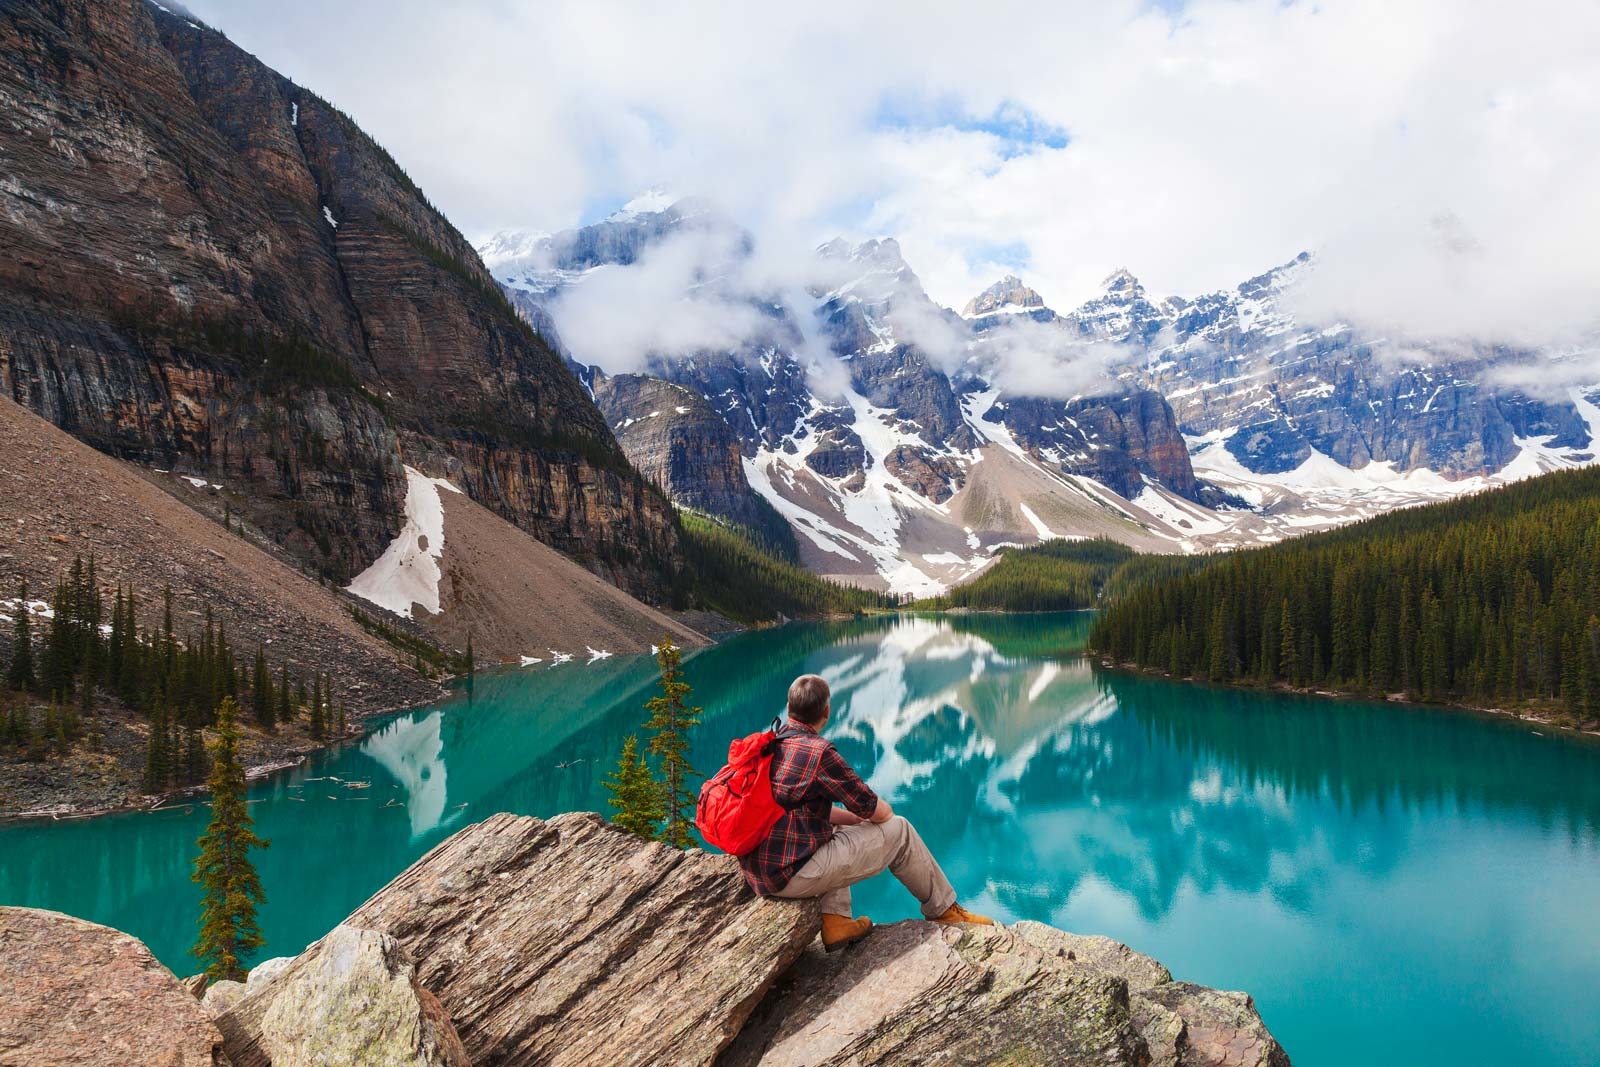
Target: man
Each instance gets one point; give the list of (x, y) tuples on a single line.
[(818, 850)]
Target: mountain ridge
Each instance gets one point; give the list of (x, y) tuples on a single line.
[(1187, 424)]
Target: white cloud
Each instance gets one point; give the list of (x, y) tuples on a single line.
[(661, 305), (1440, 155), (1028, 358)]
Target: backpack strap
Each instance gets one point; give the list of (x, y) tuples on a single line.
[(780, 730)]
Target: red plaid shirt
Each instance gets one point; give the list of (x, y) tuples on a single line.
[(808, 776)]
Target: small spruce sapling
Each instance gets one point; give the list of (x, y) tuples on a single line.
[(635, 793)]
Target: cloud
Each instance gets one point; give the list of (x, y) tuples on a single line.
[(1024, 357), (1553, 377), (664, 305), (1440, 155)]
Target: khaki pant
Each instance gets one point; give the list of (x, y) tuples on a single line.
[(856, 853)]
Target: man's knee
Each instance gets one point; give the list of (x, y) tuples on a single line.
[(897, 831)]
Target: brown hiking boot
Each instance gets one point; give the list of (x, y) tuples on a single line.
[(841, 930), (957, 914)]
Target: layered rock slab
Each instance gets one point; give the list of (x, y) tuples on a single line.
[(74, 992), (1183, 1024), (350, 999), (916, 992), (568, 942)]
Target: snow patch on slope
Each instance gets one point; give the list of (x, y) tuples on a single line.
[(407, 573)]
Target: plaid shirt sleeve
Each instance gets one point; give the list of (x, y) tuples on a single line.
[(838, 781)]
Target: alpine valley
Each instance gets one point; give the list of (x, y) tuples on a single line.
[(906, 443), (328, 526)]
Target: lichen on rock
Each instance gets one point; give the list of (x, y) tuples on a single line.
[(350, 1000)]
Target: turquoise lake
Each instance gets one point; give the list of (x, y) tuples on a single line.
[(1394, 885)]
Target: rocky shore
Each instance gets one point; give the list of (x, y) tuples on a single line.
[(108, 776), (567, 942)]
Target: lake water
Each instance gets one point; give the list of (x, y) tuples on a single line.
[(1394, 885)]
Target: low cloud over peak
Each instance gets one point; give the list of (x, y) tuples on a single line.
[(1441, 155)]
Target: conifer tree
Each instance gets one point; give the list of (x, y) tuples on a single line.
[(671, 720), (194, 747), (116, 647), (1289, 647), (231, 888), (12, 730), (57, 665), (262, 704), (318, 725), (169, 640), (158, 755), (635, 793), (285, 697), (130, 680), (88, 721), (20, 674)]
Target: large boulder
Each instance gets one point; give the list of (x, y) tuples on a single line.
[(73, 992), (1184, 1025), (916, 992), (570, 942), (350, 1000)]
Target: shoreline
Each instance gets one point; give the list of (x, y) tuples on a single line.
[(1529, 717), (152, 802), (361, 729)]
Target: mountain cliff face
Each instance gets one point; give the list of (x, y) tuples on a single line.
[(868, 415), (1239, 367), (676, 439), (214, 269), (860, 416)]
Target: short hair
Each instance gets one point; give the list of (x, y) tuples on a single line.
[(808, 698)]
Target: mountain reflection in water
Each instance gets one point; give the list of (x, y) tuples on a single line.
[(1382, 878)]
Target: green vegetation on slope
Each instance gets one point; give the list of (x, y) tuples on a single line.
[(726, 570), (1492, 600), (1053, 576), (175, 685)]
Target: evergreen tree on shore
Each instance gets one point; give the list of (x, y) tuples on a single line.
[(231, 888), (1491, 600), (263, 705), (158, 748), (670, 721), (318, 726), (20, 673), (635, 793), (285, 697)]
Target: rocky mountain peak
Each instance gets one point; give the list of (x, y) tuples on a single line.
[(876, 254), (1122, 283), (1008, 292), (652, 201), (509, 251)]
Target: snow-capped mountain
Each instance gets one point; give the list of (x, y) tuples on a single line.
[(905, 443), (1005, 298)]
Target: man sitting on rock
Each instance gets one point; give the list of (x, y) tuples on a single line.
[(818, 850)]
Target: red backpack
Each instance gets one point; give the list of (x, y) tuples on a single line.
[(737, 810)]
